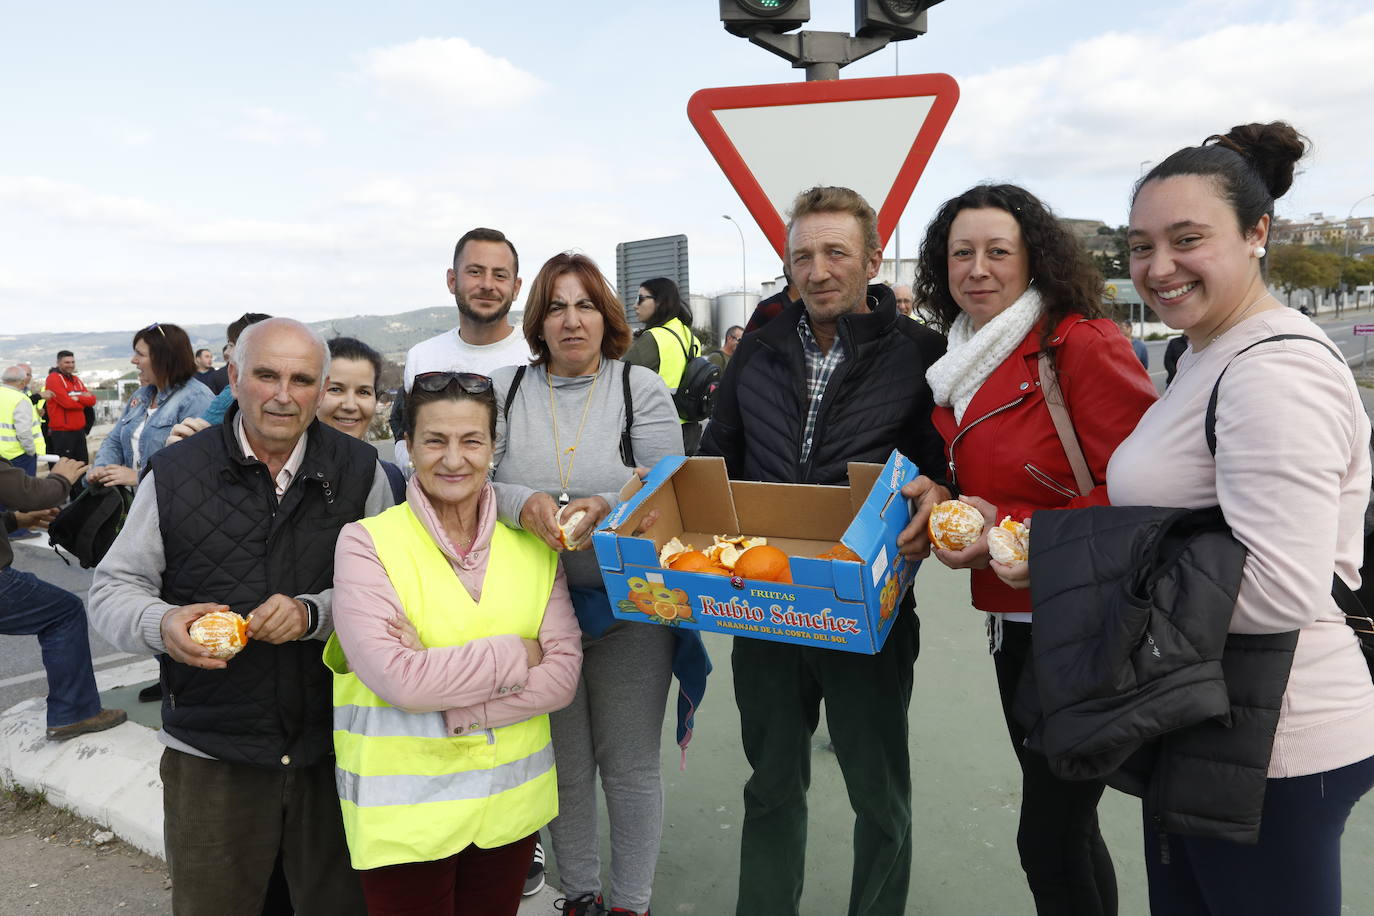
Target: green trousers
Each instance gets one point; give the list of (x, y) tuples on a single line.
[(779, 688)]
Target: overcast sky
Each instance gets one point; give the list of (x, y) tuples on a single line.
[(188, 162)]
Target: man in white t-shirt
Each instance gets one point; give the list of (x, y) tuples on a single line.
[(484, 280)]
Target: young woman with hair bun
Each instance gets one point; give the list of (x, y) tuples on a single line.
[(1291, 473)]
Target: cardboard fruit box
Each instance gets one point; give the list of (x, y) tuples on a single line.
[(833, 604)]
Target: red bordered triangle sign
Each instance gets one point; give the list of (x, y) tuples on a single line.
[(872, 135)]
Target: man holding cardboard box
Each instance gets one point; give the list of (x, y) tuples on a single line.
[(835, 378)]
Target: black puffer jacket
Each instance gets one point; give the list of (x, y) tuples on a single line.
[(228, 541), (876, 401), (1135, 678)]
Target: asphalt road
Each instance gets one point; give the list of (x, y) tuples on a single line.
[(1341, 331)]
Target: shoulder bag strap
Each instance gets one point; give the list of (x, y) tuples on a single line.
[(627, 445), (1211, 423), (1063, 425), (686, 357), (1356, 616), (514, 387)]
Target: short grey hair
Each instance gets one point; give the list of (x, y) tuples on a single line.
[(13, 374), (249, 335)]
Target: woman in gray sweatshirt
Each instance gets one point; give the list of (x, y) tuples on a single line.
[(559, 434)]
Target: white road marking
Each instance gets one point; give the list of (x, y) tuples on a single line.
[(37, 675)]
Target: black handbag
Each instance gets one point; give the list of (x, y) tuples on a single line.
[(1357, 616), (88, 525)]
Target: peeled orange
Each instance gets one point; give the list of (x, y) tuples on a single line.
[(954, 525), (764, 562), (1009, 542), (224, 633)]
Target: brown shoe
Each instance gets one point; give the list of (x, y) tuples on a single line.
[(106, 718)]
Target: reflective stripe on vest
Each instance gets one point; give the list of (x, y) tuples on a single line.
[(379, 791), (10, 446), (408, 790)]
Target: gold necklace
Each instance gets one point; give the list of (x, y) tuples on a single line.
[(571, 451)]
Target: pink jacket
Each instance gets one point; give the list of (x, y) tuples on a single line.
[(486, 683)]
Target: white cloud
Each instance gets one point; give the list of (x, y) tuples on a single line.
[(446, 75), (274, 128), (68, 203), (122, 132), (1124, 97)]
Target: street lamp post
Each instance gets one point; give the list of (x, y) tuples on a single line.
[(743, 269), (1348, 217), (1346, 233)]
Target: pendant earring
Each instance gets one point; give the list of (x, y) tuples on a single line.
[(1259, 251)]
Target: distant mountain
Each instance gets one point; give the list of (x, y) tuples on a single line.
[(105, 354)]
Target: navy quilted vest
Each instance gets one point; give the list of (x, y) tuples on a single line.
[(228, 541)]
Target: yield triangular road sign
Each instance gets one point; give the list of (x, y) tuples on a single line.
[(872, 135)]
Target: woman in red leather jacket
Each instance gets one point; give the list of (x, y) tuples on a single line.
[(1009, 284)]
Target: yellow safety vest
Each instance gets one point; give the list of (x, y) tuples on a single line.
[(9, 437), (409, 791), (676, 343)]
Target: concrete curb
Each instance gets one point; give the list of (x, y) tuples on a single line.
[(110, 777)]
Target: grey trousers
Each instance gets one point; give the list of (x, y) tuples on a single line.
[(613, 726)]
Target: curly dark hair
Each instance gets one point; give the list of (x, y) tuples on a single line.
[(1062, 272)]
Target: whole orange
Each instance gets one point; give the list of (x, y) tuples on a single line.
[(691, 561), (764, 562)]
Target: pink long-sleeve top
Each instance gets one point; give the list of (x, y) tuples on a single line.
[(485, 683)]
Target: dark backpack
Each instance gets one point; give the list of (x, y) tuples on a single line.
[(696, 390), (89, 524)]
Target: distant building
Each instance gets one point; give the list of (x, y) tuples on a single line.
[(1320, 229), (645, 259)]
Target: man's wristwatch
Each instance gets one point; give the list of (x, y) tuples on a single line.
[(313, 610)]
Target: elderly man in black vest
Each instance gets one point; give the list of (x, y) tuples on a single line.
[(835, 378), (245, 514)]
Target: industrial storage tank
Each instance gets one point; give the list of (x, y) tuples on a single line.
[(732, 308)]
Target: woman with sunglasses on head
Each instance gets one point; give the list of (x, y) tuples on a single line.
[(562, 419), (168, 393), (666, 344), (1290, 469), (1012, 286), (454, 639)]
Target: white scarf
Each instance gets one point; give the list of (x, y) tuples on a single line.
[(972, 356)]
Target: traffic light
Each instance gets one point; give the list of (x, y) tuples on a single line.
[(745, 17), (896, 19)]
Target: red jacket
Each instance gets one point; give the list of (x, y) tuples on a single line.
[(70, 398), (1007, 451)]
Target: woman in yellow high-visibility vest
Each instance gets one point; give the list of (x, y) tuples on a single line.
[(454, 639), (666, 344)]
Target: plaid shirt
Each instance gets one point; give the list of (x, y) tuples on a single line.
[(819, 368)]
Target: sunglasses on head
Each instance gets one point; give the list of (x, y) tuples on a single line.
[(434, 382), (154, 327)]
